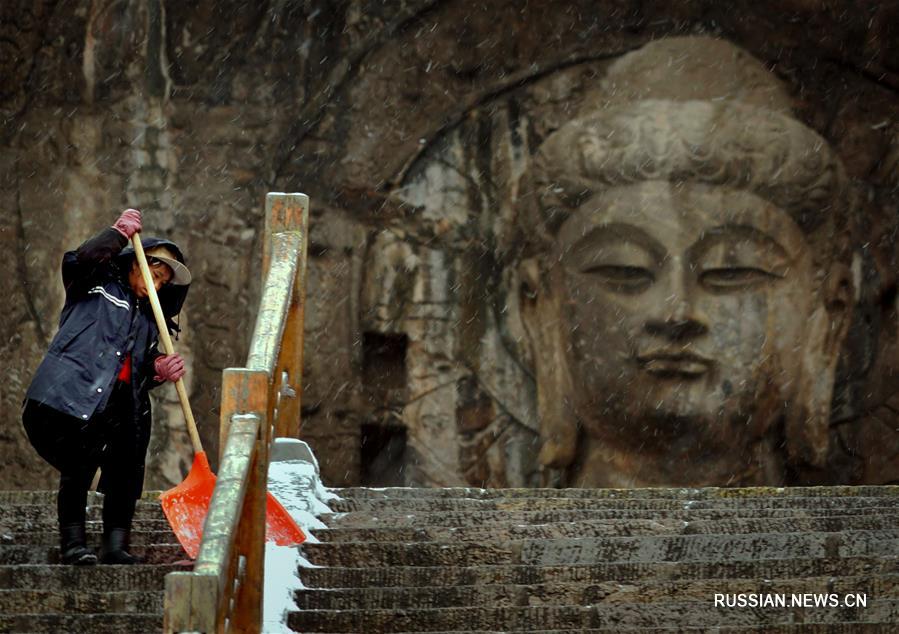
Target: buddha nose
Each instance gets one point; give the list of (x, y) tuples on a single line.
[(677, 316)]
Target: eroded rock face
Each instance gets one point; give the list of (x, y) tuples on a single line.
[(410, 125), (691, 285)]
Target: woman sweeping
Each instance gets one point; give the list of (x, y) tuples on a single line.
[(88, 404)]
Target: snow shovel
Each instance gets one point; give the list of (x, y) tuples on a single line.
[(186, 505)]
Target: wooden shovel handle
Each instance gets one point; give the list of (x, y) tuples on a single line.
[(167, 346)]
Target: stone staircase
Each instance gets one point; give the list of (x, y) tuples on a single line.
[(37, 594), (536, 560), (514, 560)]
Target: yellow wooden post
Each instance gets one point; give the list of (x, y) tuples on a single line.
[(289, 212), (240, 395), (190, 603), (246, 391), (283, 212), (247, 614)]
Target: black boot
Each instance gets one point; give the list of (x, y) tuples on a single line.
[(115, 547), (73, 550)]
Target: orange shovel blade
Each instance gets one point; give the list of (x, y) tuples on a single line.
[(186, 506), (279, 525)]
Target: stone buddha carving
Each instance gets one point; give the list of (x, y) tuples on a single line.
[(685, 280)]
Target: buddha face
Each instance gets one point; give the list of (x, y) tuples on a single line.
[(686, 307)]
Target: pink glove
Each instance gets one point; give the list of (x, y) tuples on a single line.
[(168, 367), (128, 223)]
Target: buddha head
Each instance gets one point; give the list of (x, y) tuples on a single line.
[(685, 287)]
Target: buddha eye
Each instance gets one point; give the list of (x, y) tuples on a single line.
[(622, 279), (735, 278)]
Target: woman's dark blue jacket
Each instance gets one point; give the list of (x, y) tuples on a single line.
[(101, 323)]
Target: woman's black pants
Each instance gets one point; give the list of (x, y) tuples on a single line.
[(77, 448)]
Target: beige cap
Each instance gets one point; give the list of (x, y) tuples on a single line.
[(180, 273)]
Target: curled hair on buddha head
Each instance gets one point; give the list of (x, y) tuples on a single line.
[(723, 143), (685, 109)]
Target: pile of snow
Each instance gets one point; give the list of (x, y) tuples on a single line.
[(294, 479)]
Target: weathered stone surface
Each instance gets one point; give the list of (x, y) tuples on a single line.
[(420, 576), (686, 614), (670, 240), (610, 528), (463, 519), (586, 550), (80, 602), (38, 512), (486, 567), (409, 124), (705, 493), (783, 629), (608, 592), (566, 504), (42, 523), (19, 498), (39, 595), (60, 578), (36, 554), (126, 623), (141, 536)]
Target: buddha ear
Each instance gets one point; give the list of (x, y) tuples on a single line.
[(528, 278), (839, 297), (547, 335), (807, 423)]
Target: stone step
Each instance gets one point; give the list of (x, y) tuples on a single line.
[(606, 528), (422, 597), (109, 623), (102, 600), (376, 519), (49, 524), (56, 577), (48, 496), (641, 493), (42, 512), (648, 548), (36, 554), (838, 628), (359, 577), (681, 614), (470, 505), (94, 537)]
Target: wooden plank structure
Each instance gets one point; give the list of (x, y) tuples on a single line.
[(223, 593)]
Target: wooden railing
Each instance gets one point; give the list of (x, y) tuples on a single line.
[(223, 593)]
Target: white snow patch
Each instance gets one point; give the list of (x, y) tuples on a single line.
[(297, 486), (281, 580), (300, 492)]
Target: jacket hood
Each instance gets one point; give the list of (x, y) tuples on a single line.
[(171, 297)]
